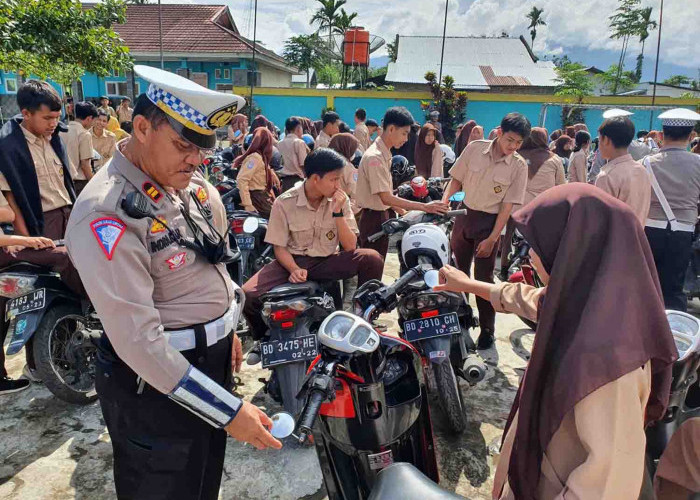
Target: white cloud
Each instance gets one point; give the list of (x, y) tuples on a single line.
[(571, 24)]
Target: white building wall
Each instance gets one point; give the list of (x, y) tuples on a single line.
[(272, 77)]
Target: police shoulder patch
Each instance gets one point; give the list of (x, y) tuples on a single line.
[(157, 226), (177, 261), (202, 194), (108, 231), (151, 191)]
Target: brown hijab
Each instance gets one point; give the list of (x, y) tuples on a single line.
[(463, 137), (424, 153), (560, 146), (535, 150), (345, 144), (262, 143), (596, 253), (570, 131)]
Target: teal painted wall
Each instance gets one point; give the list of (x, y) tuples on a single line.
[(279, 108), (346, 106)]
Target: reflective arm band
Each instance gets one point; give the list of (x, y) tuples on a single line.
[(205, 398)]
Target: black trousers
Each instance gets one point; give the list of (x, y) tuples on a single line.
[(672, 251), (161, 450)]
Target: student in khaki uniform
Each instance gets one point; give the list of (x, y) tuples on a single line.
[(238, 129), (622, 177), (78, 141), (307, 225), (494, 178), (372, 129), (166, 301), (331, 126), (106, 106), (124, 111), (294, 151), (361, 131), (578, 162), (255, 177), (574, 431), (374, 186), (347, 145), (427, 153), (103, 141)]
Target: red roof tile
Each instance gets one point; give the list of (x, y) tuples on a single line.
[(504, 80)]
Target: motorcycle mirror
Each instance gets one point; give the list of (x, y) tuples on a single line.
[(431, 278), (458, 196), (282, 425), (250, 225)]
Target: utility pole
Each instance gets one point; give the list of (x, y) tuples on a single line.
[(252, 73), (444, 32), (160, 34), (656, 69)]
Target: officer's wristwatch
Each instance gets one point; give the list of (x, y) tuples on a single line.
[(338, 214)]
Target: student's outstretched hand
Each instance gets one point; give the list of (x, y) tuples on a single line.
[(454, 280), (437, 207), (37, 242)]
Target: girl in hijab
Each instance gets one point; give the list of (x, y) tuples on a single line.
[(570, 131), (346, 144), (238, 129), (255, 177), (261, 121), (545, 170), (578, 127), (428, 155), (477, 134), (562, 148), (601, 362), (494, 133), (578, 170), (463, 137)]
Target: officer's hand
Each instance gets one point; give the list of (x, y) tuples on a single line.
[(236, 354), (437, 207), (298, 276), (338, 200), (485, 248), (251, 426)]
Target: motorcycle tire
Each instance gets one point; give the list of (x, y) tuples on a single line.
[(531, 324), (42, 341), (450, 396)]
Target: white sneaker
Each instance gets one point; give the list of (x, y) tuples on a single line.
[(31, 375)]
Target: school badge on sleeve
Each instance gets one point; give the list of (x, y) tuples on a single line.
[(108, 231), (497, 189), (330, 235)]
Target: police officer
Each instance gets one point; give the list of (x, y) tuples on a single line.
[(159, 284), (675, 182)]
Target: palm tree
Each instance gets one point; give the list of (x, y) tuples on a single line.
[(624, 24), (327, 16), (535, 17), (645, 25), (344, 21)]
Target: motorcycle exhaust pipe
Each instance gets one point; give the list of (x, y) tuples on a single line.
[(474, 369)]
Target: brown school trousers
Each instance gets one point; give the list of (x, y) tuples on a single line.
[(371, 223)]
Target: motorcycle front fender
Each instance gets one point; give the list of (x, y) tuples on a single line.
[(437, 349)]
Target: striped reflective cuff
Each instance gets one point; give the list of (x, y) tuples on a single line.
[(205, 398)]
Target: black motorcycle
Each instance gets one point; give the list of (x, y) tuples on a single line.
[(423, 190), (520, 269), (43, 315), (249, 231), (369, 390)]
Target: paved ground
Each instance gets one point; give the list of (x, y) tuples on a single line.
[(52, 450)]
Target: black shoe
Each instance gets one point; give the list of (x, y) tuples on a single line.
[(253, 357), (8, 386), (486, 339)]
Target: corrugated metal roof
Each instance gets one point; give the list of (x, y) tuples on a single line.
[(505, 62)]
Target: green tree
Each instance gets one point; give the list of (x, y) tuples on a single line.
[(614, 80), (329, 74), (628, 21), (327, 16), (344, 22), (392, 49), (678, 81), (449, 102), (573, 81), (645, 26), (137, 2), (535, 17), (302, 51), (58, 39)]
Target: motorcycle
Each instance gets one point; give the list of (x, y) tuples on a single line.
[(684, 402), (520, 269), (691, 285), (422, 190), (436, 323), (43, 315), (248, 230), (369, 392)]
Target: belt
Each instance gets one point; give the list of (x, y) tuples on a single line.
[(185, 340), (675, 225)]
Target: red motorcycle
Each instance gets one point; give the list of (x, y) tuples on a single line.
[(520, 269)]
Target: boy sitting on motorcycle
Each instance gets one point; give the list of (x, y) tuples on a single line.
[(307, 224)]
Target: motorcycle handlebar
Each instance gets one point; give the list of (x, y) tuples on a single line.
[(455, 213), (397, 285), (306, 422), (375, 236)]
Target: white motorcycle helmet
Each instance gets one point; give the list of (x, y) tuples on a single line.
[(428, 241), (448, 156)]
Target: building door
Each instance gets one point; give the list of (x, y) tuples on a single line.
[(200, 78)]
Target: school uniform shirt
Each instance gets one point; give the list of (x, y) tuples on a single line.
[(577, 166), (3, 202), (252, 177), (489, 182), (678, 174), (303, 229), (322, 140), (436, 169), (550, 174), (124, 114), (628, 181), (78, 142), (49, 173), (109, 110), (598, 450), (374, 176), (361, 133), (105, 144), (348, 183), (294, 151)]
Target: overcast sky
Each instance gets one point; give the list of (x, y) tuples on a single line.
[(578, 28)]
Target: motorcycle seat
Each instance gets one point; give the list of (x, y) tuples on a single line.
[(24, 267), (403, 481), (287, 290)]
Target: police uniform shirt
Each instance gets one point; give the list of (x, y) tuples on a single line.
[(303, 229), (138, 277), (104, 144), (294, 151), (49, 173), (374, 176), (251, 177), (638, 150), (628, 181), (489, 182), (678, 174), (361, 133), (79, 146), (322, 140)]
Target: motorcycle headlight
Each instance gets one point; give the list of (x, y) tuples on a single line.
[(338, 327), (686, 332), (348, 333)]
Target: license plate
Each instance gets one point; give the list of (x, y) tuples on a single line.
[(279, 352), (26, 303), (380, 460), (427, 328), (245, 242)]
